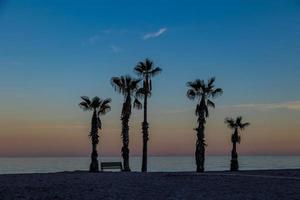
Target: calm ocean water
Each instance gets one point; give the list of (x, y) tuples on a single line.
[(163, 164)]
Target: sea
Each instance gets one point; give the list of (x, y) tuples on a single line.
[(16, 165)]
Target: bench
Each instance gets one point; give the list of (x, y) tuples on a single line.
[(111, 165)]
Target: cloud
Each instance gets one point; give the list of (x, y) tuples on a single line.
[(115, 49), (290, 105), (95, 38), (155, 34)]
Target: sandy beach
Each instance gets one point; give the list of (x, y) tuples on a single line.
[(270, 184)]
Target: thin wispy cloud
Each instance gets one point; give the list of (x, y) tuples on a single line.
[(155, 34), (96, 37), (291, 105), (115, 49), (93, 39)]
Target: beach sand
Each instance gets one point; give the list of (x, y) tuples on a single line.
[(270, 184)]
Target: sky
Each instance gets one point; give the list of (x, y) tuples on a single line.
[(53, 52)]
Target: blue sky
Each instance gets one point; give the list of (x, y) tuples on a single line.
[(52, 52), (248, 45)]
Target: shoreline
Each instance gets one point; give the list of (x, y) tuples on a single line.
[(163, 172), (248, 184)]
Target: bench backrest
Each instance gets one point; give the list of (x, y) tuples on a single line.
[(111, 165)]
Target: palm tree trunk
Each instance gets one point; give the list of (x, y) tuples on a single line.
[(94, 166), (125, 148), (200, 145), (200, 148), (145, 127), (234, 166), (145, 146)]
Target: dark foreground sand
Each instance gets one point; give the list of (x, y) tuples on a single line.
[(279, 184)]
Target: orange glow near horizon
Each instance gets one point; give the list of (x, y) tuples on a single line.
[(174, 137)]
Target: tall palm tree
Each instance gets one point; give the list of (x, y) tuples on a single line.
[(127, 86), (146, 70), (202, 92), (235, 125), (98, 107)]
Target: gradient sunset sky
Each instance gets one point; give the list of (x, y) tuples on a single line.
[(54, 51)]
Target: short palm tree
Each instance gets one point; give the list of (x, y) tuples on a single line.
[(98, 107), (235, 125), (202, 92), (128, 87), (146, 70)]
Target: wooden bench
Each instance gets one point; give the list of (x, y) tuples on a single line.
[(111, 165)]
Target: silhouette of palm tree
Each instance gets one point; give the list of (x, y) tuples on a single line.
[(146, 70), (98, 107), (202, 92), (127, 86), (235, 125)]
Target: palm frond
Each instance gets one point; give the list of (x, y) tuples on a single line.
[(137, 104), (155, 72), (238, 120), (239, 139), (244, 125), (133, 84), (193, 85), (141, 92), (125, 84), (142, 65), (198, 85), (217, 92), (139, 70), (105, 107), (230, 123), (118, 84), (198, 88), (84, 105), (210, 103), (106, 101), (146, 67), (99, 123), (191, 94), (211, 82), (86, 99), (148, 64), (95, 103)]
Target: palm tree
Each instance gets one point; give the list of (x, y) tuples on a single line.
[(128, 87), (202, 92), (98, 107), (235, 125), (146, 70)]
